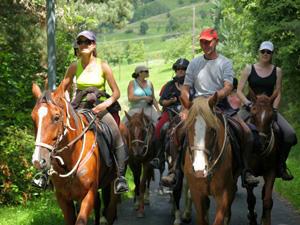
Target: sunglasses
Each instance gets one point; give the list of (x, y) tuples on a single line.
[(146, 71), (86, 42), (267, 51), (180, 69)]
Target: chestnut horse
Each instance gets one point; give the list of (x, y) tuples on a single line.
[(68, 151), (141, 130), (263, 162), (210, 167)]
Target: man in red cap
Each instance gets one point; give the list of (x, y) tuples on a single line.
[(207, 74)]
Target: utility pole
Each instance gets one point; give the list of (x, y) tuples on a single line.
[(51, 44), (119, 61), (193, 53)]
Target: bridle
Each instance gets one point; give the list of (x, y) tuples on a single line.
[(210, 152), (145, 143), (63, 130)]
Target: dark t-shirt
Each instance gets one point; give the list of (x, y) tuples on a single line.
[(261, 85)]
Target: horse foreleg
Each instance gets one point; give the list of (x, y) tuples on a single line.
[(187, 210), (267, 199), (251, 200), (112, 208), (67, 208), (160, 190), (224, 202), (202, 206), (87, 206), (97, 206)]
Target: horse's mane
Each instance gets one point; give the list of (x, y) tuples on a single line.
[(201, 108), (47, 98)]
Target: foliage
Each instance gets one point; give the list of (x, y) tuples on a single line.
[(150, 9), (135, 52), (179, 48), (173, 24), (15, 159), (143, 27)]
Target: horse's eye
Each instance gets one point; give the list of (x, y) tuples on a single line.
[(56, 118)]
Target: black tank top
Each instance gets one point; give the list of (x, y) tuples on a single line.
[(261, 85)]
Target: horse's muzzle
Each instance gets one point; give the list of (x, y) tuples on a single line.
[(40, 165)]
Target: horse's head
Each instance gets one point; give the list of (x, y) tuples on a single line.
[(139, 128), (202, 126), (261, 113), (50, 124)]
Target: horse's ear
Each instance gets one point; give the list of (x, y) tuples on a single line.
[(186, 103), (59, 93), (36, 91), (274, 95), (213, 100), (127, 115), (252, 95)]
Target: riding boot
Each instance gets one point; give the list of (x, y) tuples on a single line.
[(158, 161), (42, 181), (247, 174), (172, 178), (281, 165), (121, 184)]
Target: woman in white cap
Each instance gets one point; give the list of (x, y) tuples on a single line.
[(263, 77), (141, 95)]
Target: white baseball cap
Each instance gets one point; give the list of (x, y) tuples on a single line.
[(267, 45)]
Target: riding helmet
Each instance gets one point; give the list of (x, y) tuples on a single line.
[(181, 62)]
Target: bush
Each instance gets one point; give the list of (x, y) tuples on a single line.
[(15, 165)]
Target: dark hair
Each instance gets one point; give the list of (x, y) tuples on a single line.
[(235, 83), (135, 75)]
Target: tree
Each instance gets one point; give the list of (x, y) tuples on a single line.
[(143, 27), (135, 52), (173, 24)]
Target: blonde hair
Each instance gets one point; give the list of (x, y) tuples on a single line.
[(201, 108)]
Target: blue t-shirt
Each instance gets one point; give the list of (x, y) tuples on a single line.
[(140, 92)]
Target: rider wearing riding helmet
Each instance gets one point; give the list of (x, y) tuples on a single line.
[(169, 100)]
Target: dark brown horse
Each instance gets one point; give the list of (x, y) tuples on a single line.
[(174, 141), (210, 167), (68, 151), (142, 152), (263, 162)]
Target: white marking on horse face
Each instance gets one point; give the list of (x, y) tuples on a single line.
[(262, 116), (42, 112), (199, 140)]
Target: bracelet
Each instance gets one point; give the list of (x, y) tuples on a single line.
[(248, 103), (108, 102)]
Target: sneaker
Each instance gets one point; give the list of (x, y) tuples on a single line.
[(155, 163), (250, 179), (121, 185)]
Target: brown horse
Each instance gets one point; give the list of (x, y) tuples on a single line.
[(263, 162), (68, 151), (210, 167), (142, 152)]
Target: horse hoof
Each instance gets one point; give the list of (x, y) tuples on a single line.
[(136, 207), (186, 218), (160, 192), (103, 221), (141, 215), (146, 202)]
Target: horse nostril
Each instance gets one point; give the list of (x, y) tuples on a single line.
[(37, 165)]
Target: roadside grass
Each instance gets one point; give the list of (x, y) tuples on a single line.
[(290, 189)]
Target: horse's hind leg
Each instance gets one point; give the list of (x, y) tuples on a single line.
[(160, 190), (187, 210), (251, 200), (176, 200)]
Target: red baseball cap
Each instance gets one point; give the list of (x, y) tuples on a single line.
[(208, 34)]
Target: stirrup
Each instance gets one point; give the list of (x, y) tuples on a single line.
[(40, 181), (118, 189)]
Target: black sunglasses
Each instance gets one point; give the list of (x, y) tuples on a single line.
[(146, 71), (267, 51), (87, 42), (180, 69)]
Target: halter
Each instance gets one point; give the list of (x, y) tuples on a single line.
[(62, 133), (145, 143)]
